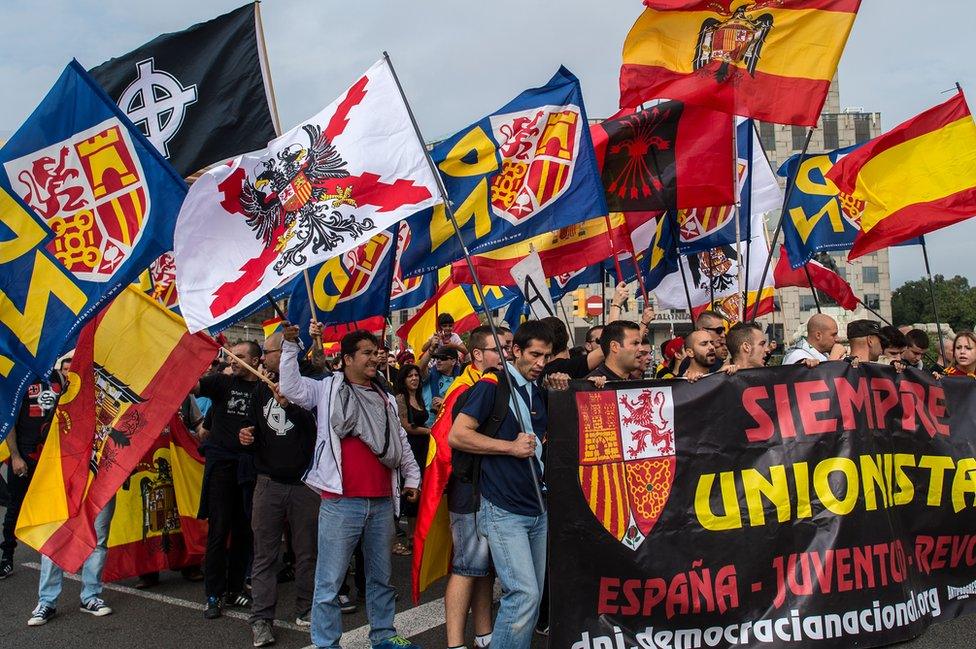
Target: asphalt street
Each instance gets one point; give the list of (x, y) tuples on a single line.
[(171, 615)]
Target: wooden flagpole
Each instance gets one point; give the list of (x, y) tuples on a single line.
[(479, 289), (250, 369)]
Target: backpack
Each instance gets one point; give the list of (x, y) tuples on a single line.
[(466, 467)]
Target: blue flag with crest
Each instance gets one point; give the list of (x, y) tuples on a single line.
[(819, 218), (526, 169), (86, 204)]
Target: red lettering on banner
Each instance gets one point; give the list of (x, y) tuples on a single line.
[(851, 397), (750, 403), (810, 407), (883, 404), (784, 411), (937, 406)]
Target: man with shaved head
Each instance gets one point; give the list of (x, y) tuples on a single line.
[(700, 353), (820, 340)]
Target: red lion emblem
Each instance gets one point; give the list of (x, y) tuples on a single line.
[(45, 186), (646, 412)]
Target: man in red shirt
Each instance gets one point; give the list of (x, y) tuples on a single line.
[(361, 452)]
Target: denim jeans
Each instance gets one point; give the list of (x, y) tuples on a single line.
[(342, 522), (518, 550), (49, 588)]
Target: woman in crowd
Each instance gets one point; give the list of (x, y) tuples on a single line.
[(963, 355), (413, 415)]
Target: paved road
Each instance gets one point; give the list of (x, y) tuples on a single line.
[(171, 615)]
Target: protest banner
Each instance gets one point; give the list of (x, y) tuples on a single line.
[(824, 507)]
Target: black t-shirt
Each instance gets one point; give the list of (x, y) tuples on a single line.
[(603, 370), (284, 438), (231, 397), (36, 412), (577, 367)]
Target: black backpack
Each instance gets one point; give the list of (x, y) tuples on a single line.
[(466, 467)]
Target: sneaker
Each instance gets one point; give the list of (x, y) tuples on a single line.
[(304, 620), (346, 605), (212, 612), (96, 606), (396, 642), (238, 600), (6, 567), (542, 630), (261, 630), (41, 615)]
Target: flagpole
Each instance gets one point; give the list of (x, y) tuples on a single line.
[(816, 299), (250, 369), (311, 305), (613, 249), (681, 268), (880, 317), (747, 188), (935, 308), (449, 211), (782, 217), (603, 295), (266, 66), (736, 209)]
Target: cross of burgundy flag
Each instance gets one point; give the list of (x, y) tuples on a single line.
[(316, 192)]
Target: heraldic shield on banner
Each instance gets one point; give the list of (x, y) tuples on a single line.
[(538, 151), (626, 458), (90, 191)]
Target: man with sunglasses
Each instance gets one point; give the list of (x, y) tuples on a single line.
[(281, 437), (715, 323)]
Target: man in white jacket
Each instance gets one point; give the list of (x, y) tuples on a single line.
[(361, 452)]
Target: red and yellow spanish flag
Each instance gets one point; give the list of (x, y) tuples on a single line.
[(563, 251), (918, 177), (432, 543), (155, 526), (134, 364), (768, 60), (451, 297)]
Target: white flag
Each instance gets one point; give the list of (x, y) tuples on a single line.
[(530, 279), (316, 192), (717, 272)]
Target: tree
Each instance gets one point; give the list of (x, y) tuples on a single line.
[(912, 302)]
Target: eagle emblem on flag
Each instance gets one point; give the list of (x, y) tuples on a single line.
[(736, 41), (627, 458), (289, 199)]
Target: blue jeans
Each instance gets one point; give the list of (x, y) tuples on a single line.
[(342, 522), (518, 550), (49, 588)]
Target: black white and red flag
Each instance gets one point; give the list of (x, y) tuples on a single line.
[(667, 156)]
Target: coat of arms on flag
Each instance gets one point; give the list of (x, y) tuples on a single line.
[(315, 193), (91, 192), (627, 458)]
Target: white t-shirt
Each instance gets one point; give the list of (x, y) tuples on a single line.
[(802, 350)]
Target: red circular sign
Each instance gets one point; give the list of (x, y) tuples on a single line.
[(594, 305)]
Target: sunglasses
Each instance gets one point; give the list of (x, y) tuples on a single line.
[(718, 330)]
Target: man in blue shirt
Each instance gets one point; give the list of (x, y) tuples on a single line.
[(511, 515)]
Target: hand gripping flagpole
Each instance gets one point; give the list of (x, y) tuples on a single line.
[(479, 290), (779, 227)]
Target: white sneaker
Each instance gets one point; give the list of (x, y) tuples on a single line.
[(96, 606)]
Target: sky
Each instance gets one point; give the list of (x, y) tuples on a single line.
[(461, 60)]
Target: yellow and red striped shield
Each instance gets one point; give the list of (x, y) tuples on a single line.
[(626, 458)]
